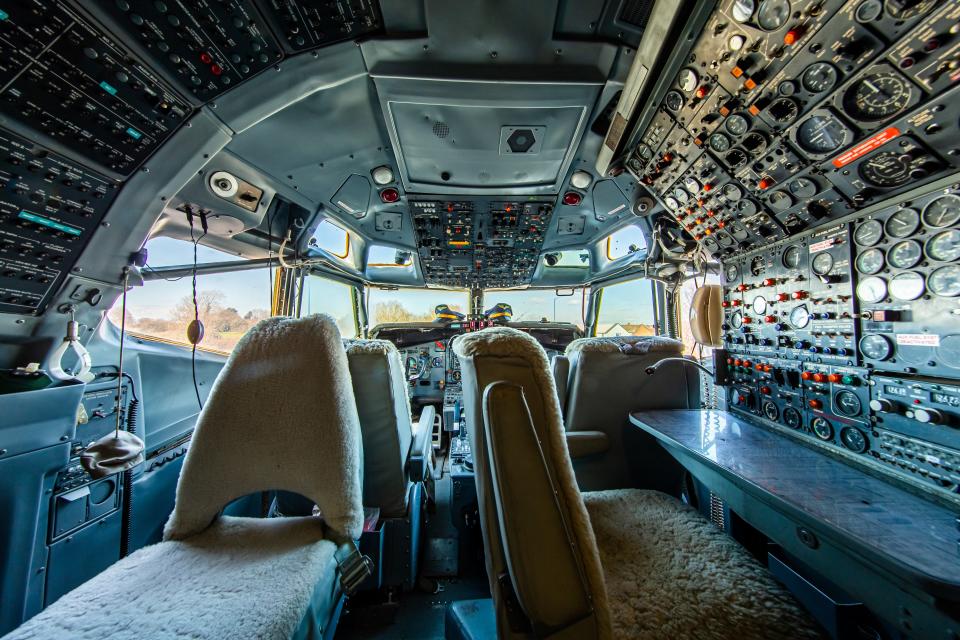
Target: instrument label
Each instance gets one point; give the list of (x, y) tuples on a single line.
[(865, 147), (918, 339)]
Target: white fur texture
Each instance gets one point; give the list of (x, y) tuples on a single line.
[(241, 578), (281, 415), (636, 344), (507, 342), (672, 574)]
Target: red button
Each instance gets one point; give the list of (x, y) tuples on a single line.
[(765, 390), (724, 304), (799, 295), (736, 303), (758, 367), (668, 157), (782, 297), (742, 287), (572, 198), (770, 319), (791, 37), (819, 377), (767, 368), (747, 320), (806, 375), (746, 363), (729, 360), (815, 404), (833, 377), (765, 183), (389, 195), (702, 91), (737, 362), (769, 282), (707, 186)]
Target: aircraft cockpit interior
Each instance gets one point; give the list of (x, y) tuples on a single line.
[(474, 319)]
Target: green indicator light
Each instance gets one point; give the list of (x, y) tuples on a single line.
[(47, 222), (848, 380), (108, 88), (4, 15)]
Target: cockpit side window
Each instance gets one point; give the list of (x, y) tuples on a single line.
[(626, 309), (322, 295)]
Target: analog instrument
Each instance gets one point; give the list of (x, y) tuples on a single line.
[(731, 273), (942, 212), (671, 203), (758, 265), (822, 264), (887, 169), (902, 224), (644, 151), (737, 125), (945, 246), (853, 439), (945, 281), (719, 143), (877, 96), (821, 428), (732, 192), (692, 184), (437, 362), (736, 158), (803, 187), (869, 10), (784, 110), (876, 347), (819, 77), (791, 257), (673, 100), (736, 320), (747, 208), (681, 194), (792, 418), (872, 289), (759, 305), (800, 316), (770, 410), (780, 201), (907, 286), (868, 234), (822, 133), (847, 403), (755, 143), (743, 10), (688, 80), (904, 254), (870, 262), (773, 14)]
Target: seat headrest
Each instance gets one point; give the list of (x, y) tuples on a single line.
[(281, 415), (629, 345)]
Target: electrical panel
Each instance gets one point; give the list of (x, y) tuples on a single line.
[(307, 24)]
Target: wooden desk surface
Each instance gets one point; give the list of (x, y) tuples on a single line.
[(912, 534)]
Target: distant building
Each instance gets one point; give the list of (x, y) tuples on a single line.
[(620, 329)]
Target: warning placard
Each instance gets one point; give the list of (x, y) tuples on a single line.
[(873, 142), (918, 340)]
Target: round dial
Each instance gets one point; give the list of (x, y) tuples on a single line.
[(942, 212), (903, 223), (803, 187), (887, 169), (904, 254), (759, 305), (791, 257), (688, 80), (821, 428), (792, 418), (847, 403), (437, 362), (868, 234), (945, 246), (673, 100), (877, 96), (736, 320), (737, 125), (780, 201), (876, 347), (945, 281), (692, 184), (755, 143), (735, 158), (906, 10), (773, 14), (770, 410), (819, 77), (800, 316), (822, 264), (747, 208), (644, 151), (671, 203), (872, 289), (784, 110), (822, 134), (743, 10), (787, 88), (732, 192), (907, 286), (731, 273), (853, 439), (869, 10), (870, 262), (719, 143), (681, 194)]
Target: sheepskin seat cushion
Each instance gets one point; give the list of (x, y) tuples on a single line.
[(240, 578), (671, 574), (630, 345)]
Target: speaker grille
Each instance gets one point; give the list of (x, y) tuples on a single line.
[(636, 13), (440, 129)]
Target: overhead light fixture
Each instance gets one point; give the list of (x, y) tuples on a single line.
[(382, 175), (580, 179), (551, 259)]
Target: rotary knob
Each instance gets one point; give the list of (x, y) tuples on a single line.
[(928, 416)]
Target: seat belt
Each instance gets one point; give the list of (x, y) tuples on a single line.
[(352, 566)]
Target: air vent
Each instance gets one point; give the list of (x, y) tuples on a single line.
[(441, 130), (717, 512), (636, 13)]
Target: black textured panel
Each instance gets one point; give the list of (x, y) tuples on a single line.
[(636, 13), (307, 24)]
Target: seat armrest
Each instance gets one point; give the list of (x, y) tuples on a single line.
[(581, 444), (418, 462)]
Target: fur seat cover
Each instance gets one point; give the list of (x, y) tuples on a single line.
[(671, 574)]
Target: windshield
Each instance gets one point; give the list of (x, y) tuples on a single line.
[(412, 305), (538, 305)]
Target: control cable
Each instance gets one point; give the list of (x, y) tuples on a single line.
[(195, 332)]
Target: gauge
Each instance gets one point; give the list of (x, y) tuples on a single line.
[(945, 281), (732, 273), (736, 42), (770, 410), (784, 110), (737, 125), (800, 316), (688, 79), (736, 158), (853, 439), (681, 195), (719, 142), (877, 96), (644, 151), (900, 10), (887, 169), (692, 185), (870, 262), (747, 208), (876, 347), (736, 320), (792, 418), (780, 201), (803, 187), (945, 246), (437, 362), (456, 376), (869, 10), (732, 192), (868, 234), (758, 265), (755, 143), (791, 257), (671, 203), (822, 264), (904, 254), (822, 133), (872, 289), (773, 14), (673, 100), (942, 212), (902, 224), (907, 286), (847, 403), (821, 428), (819, 77), (743, 10), (759, 305)]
